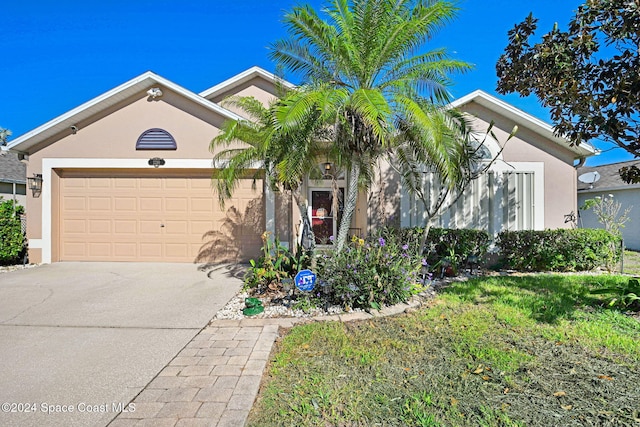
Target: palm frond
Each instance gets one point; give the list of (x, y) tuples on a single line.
[(374, 110)]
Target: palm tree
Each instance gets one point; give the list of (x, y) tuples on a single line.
[(287, 156), (362, 78)]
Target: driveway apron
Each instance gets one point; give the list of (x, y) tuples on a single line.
[(79, 340)]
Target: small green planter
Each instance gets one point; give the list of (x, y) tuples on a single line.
[(253, 306)]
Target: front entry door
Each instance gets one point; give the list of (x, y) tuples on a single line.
[(323, 219)]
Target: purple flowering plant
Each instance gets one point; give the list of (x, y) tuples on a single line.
[(370, 274)]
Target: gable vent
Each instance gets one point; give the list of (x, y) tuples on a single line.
[(156, 139)]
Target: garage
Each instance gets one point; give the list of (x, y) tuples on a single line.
[(126, 176), (155, 216)]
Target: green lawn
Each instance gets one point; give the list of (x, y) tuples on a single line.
[(499, 351), (632, 262)]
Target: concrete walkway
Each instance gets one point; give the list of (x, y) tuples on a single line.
[(215, 379)]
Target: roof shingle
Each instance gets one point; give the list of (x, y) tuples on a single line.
[(609, 176), (12, 169)]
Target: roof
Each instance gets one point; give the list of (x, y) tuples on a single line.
[(12, 169), (243, 77), (147, 80), (108, 99), (524, 120), (609, 177)]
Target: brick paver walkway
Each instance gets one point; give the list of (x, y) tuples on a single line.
[(215, 379)]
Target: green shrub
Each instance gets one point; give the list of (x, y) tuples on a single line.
[(369, 274), (12, 240), (559, 250), (455, 245), (276, 263)]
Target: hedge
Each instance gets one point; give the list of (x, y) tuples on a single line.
[(580, 249), (448, 243), (12, 240)]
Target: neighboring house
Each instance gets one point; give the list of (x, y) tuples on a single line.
[(13, 185), (127, 177), (607, 182)]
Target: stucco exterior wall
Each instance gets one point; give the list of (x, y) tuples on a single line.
[(257, 87), (628, 198), (527, 146), (384, 198)]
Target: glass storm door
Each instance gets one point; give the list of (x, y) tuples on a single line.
[(322, 221)]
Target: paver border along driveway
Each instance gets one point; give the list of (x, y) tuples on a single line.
[(80, 340)]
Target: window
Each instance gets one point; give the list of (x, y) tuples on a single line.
[(156, 139)]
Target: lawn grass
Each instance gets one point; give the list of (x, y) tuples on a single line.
[(533, 350), (632, 262)]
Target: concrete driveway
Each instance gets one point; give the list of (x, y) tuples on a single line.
[(79, 340)]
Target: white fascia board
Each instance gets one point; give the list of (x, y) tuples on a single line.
[(198, 99), (540, 127), (107, 99), (15, 144), (244, 76)]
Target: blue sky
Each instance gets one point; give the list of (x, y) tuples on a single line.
[(58, 54)]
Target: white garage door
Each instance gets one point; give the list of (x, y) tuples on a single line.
[(156, 218)]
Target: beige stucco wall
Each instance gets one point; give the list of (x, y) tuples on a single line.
[(113, 135), (384, 199), (528, 146), (257, 87)]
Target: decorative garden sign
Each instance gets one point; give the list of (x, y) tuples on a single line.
[(305, 280)]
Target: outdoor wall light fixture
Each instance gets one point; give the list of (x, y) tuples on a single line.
[(35, 184), (156, 162), (327, 171)]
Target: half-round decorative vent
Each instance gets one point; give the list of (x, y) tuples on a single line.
[(156, 139)]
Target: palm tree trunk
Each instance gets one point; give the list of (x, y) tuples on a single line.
[(349, 205)]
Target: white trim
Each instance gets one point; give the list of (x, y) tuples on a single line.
[(49, 164), (244, 76), (35, 243), (269, 209)]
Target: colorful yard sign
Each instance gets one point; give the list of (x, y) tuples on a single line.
[(305, 280)]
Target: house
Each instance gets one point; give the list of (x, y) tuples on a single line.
[(127, 177), (603, 181), (13, 185)]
